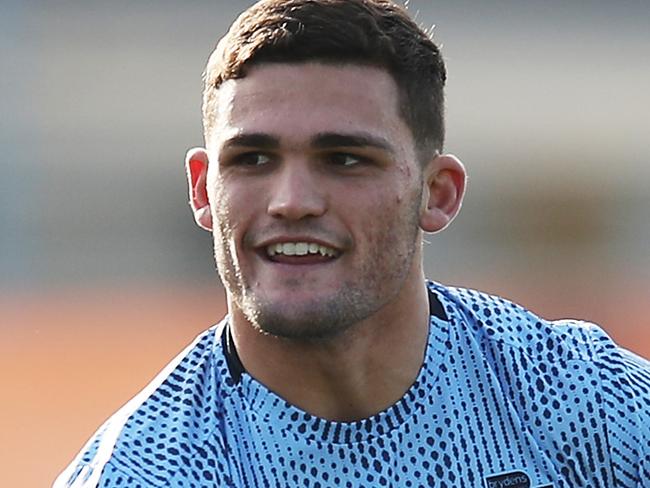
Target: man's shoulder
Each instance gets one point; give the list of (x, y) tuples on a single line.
[(171, 415), (493, 319), (554, 373), (508, 333)]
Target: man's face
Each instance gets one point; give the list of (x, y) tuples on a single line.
[(315, 193)]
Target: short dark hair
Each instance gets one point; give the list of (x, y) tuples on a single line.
[(376, 33)]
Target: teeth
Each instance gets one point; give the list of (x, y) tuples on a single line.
[(289, 249), (300, 249)]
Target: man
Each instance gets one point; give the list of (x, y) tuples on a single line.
[(338, 365)]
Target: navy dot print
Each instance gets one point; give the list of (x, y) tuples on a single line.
[(502, 395)]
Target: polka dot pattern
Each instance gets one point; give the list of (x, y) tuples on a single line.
[(502, 394)]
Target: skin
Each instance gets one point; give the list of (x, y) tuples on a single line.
[(319, 153)]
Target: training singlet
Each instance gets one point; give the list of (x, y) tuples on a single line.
[(504, 399)]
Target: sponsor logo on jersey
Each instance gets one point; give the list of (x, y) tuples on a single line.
[(514, 479)]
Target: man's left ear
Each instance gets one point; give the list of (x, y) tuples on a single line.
[(444, 187)]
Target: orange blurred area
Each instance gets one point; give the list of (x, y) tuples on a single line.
[(70, 359)]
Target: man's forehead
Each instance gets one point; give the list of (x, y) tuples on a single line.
[(324, 70), (309, 96)]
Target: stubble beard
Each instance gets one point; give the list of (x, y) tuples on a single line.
[(327, 317)]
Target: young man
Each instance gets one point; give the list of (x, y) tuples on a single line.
[(338, 365)]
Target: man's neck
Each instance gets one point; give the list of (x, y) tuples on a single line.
[(360, 372)]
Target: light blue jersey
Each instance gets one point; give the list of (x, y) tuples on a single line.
[(504, 399)]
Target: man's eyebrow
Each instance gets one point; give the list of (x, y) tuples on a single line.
[(257, 140), (323, 140), (326, 140)]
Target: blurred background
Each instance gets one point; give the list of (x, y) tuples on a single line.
[(104, 277)]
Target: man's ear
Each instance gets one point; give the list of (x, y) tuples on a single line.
[(196, 165), (444, 180)]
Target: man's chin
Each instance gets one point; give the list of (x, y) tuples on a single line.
[(312, 320), (305, 317), (305, 326)]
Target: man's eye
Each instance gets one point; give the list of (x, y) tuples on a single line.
[(252, 159), (344, 159)]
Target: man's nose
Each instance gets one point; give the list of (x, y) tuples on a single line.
[(296, 192)]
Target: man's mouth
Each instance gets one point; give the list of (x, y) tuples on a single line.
[(300, 252)]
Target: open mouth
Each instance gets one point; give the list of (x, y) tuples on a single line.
[(300, 253)]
